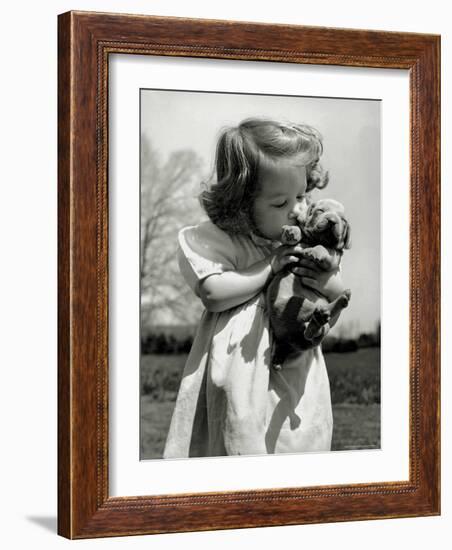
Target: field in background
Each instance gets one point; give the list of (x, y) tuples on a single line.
[(355, 390)]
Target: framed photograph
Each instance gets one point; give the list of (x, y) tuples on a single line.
[(249, 259)]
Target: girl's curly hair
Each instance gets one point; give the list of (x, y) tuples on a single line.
[(240, 150)]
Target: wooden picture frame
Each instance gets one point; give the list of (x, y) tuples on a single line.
[(85, 42)]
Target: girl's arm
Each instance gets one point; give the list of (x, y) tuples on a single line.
[(223, 291), (226, 290)]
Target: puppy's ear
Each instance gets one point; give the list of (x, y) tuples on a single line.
[(309, 211), (347, 235), (336, 227)]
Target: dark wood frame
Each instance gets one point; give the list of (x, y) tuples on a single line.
[(85, 41)]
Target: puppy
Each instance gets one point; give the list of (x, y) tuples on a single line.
[(299, 316)]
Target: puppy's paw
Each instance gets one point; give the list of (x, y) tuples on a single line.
[(344, 298), (321, 316), (316, 326), (291, 234), (315, 334)]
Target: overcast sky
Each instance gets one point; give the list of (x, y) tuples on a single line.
[(175, 120)]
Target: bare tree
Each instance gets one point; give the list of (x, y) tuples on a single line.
[(169, 193)]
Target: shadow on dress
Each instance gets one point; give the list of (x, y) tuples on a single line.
[(290, 396)]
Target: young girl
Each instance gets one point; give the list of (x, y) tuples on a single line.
[(231, 401)]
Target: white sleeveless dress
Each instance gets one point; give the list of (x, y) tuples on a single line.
[(231, 401)]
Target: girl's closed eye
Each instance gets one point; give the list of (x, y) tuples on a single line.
[(280, 205)]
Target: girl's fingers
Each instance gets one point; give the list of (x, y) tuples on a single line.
[(304, 262), (290, 259), (290, 250), (286, 260), (309, 281), (304, 271)]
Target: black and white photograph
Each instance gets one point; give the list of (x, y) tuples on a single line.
[(260, 268)]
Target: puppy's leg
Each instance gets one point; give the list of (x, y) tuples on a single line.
[(317, 326), (280, 352), (340, 303)]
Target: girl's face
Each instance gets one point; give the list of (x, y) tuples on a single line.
[(281, 197)]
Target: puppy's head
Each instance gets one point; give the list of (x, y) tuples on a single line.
[(326, 224)]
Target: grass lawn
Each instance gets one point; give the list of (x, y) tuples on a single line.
[(155, 421), (355, 390), (355, 426)]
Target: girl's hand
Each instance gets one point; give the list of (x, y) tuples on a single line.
[(284, 255), (327, 283)]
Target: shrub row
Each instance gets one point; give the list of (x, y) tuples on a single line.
[(167, 343)]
